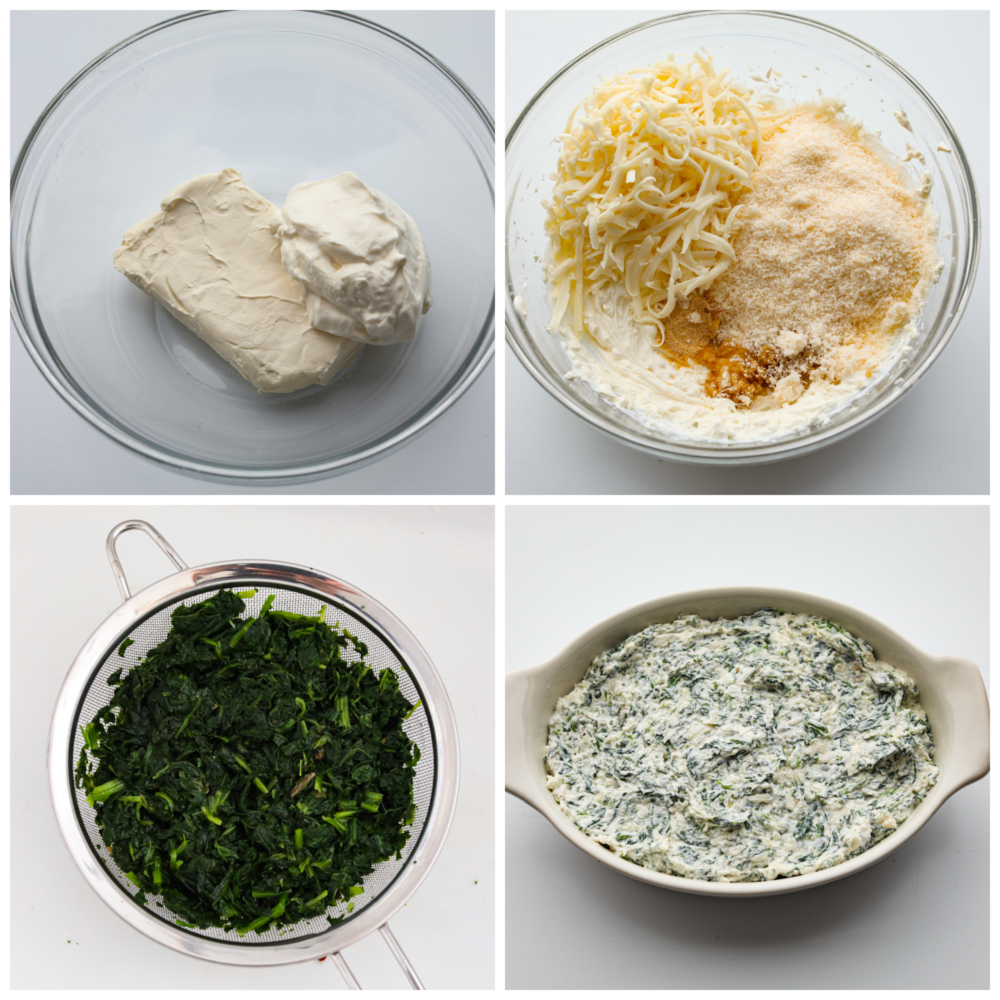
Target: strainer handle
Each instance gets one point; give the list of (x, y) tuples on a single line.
[(398, 953), (400, 956), (116, 566), (344, 970)]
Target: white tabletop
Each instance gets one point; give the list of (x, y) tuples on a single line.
[(935, 441), (431, 566), (919, 919), (55, 451)]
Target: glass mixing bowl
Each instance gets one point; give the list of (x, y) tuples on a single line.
[(282, 97), (810, 55)]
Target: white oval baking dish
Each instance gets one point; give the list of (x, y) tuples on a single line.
[(951, 691)]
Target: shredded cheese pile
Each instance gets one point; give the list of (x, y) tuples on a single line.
[(648, 182)]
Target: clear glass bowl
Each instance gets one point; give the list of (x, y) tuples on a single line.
[(282, 97), (872, 86)]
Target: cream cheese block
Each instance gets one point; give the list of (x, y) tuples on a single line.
[(211, 259)]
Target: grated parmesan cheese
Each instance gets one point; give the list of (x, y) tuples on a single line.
[(647, 186), (835, 257)]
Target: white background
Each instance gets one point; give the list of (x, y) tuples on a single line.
[(431, 566), (919, 919), (53, 450), (935, 441)]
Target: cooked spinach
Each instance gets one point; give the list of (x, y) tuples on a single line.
[(250, 771)]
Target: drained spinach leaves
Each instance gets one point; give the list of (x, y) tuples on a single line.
[(255, 771)]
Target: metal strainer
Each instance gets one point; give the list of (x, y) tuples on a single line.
[(145, 618)]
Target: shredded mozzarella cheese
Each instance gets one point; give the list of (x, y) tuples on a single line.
[(647, 185)]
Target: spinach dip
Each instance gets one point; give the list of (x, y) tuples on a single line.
[(740, 750)]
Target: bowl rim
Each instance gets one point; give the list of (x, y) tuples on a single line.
[(91, 411), (744, 453), (525, 770)]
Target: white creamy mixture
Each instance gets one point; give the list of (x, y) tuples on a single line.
[(210, 258), (358, 257), (740, 750), (619, 359)]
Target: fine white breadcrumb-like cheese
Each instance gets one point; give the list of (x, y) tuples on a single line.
[(740, 750)]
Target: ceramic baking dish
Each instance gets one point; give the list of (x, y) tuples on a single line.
[(951, 691)]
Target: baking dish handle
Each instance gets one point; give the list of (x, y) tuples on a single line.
[(116, 566), (518, 778), (971, 709)]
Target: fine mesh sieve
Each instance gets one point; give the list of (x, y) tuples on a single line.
[(145, 618)]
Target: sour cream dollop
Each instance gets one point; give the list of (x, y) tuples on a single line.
[(358, 257)]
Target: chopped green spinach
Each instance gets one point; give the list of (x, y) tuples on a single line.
[(252, 772)]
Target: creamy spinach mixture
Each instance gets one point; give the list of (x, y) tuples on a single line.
[(738, 751)]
